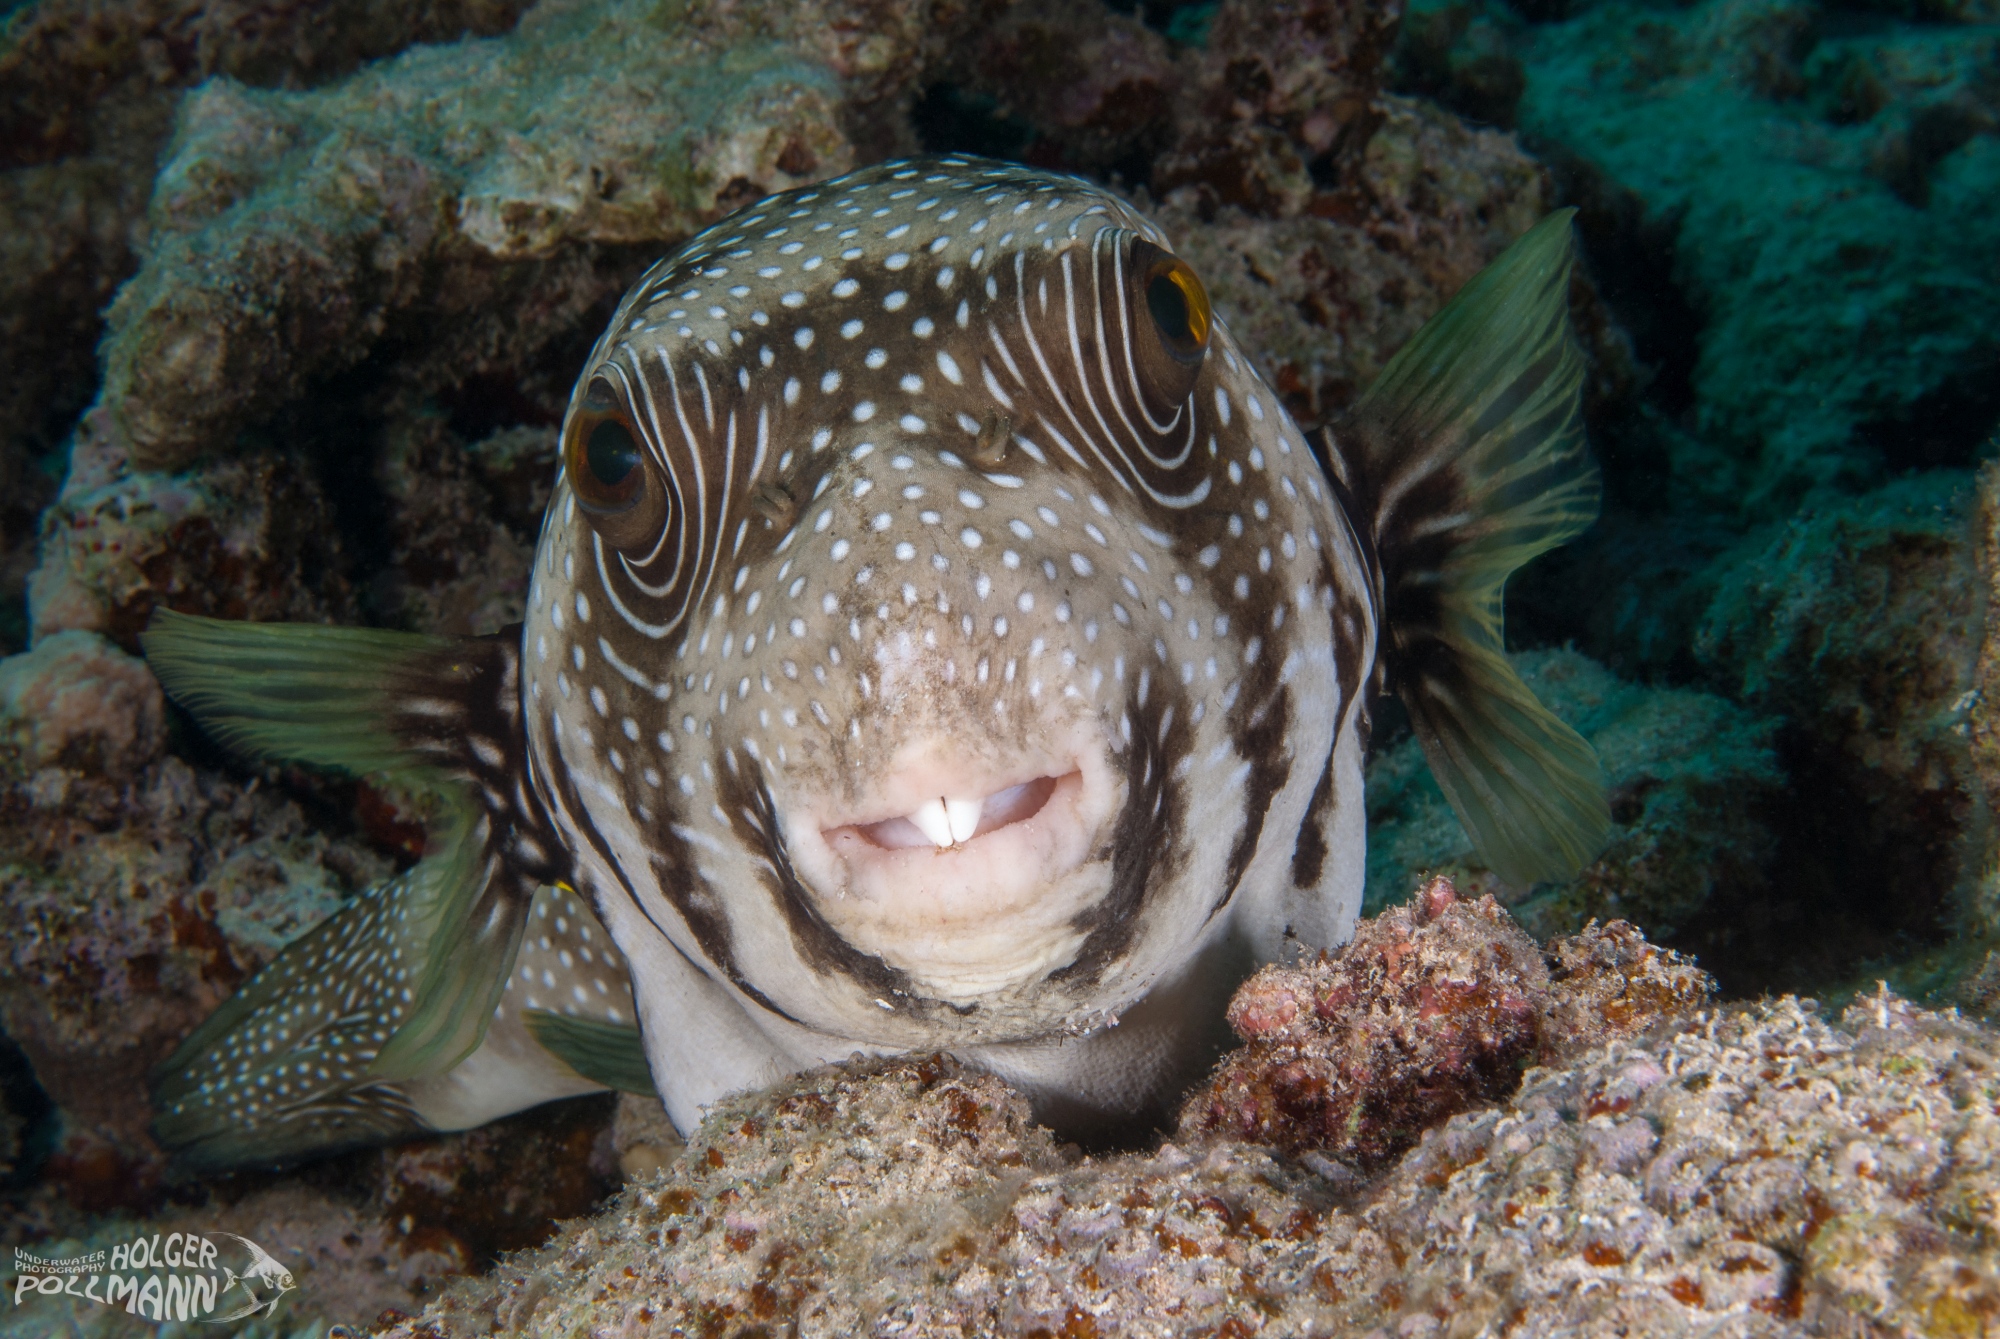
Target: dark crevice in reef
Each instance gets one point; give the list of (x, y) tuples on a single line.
[(336, 429), (1847, 889), (31, 1115), (1954, 425), (1631, 256), (951, 119), (1628, 592)]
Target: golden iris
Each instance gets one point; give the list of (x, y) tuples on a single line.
[(1179, 306)]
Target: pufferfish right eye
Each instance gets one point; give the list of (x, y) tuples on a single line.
[(609, 470)]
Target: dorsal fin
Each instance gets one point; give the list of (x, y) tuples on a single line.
[(1464, 460)]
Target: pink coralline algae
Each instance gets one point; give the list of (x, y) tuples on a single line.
[(1436, 1006)]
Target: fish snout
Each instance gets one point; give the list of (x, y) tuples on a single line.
[(966, 864)]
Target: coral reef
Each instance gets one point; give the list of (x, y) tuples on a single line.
[(79, 702), (139, 904), (1323, 289), (343, 259), (247, 537), (436, 278), (1860, 620), (1751, 1171), (89, 97), (369, 1237), (1281, 98), (1812, 190), (1433, 1007), (360, 220), (1080, 87)]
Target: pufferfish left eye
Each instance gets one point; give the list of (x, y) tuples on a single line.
[(1171, 339), (614, 479), (1178, 305)]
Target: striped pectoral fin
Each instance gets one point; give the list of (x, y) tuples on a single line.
[(472, 909), (295, 692), (565, 1024), (1466, 459), (418, 966)]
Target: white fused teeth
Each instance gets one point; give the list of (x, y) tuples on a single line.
[(948, 822), (963, 817)]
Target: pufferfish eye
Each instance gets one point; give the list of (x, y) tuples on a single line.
[(1171, 339), (615, 481), (1179, 306)]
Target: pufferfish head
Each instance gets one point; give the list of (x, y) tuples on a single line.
[(932, 607)]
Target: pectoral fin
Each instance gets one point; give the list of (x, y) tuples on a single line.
[(1466, 459), (607, 1053), (317, 1051)]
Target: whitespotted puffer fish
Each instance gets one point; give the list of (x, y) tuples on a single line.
[(939, 638)]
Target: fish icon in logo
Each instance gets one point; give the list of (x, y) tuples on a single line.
[(263, 1271)]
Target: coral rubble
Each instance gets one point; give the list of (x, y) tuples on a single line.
[(1435, 1006)]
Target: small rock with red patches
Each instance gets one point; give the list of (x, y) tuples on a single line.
[(1435, 1007)]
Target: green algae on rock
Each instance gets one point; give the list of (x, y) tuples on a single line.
[(1819, 190), (1861, 622)]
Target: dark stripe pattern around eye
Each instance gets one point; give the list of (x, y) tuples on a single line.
[(744, 363)]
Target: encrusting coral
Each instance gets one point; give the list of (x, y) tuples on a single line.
[(1669, 1168)]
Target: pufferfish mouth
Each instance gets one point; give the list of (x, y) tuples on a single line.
[(945, 822), (969, 873)]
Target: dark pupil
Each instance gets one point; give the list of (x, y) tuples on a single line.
[(1170, 309), (611, 453)]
